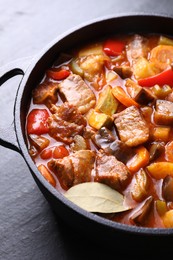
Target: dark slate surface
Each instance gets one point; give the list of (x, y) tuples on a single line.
[(28, 227)]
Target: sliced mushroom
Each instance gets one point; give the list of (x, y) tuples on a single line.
[(140, 217), (156, 150), (167, 188)]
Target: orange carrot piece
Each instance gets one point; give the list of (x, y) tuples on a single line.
[(140, 159), (169, 151), (123, 98), (47, 175)]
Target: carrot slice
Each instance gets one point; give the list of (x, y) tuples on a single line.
[(140, 159), (47, 175), (123, 98)]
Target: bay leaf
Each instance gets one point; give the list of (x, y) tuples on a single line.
[(96, 197)]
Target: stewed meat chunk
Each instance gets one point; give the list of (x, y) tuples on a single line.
[(77, 93), (45, 93), (112, 172), (132, 128), (66, 123), (164, 112), (74, 169)]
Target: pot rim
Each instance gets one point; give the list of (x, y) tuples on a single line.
[(22, 145)]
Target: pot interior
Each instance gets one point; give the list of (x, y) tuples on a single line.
[(103, 27)]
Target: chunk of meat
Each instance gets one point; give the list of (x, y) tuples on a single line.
[(77, 93), (45, 93), (74, 169), (163, 114), (138, 47), (162, 56), (112, 172), (66, 123), (131, 126), (63, 169)]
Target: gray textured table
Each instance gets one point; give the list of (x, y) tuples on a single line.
[(28, 227)]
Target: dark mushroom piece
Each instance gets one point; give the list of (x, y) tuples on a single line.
[(140, 217), (167, 188)]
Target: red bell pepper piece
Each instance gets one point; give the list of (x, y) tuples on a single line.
[(163, 78), (37, 122), (58, 74), (113, 47), (60, 152)]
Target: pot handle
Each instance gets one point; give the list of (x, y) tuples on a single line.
[(18, 67)]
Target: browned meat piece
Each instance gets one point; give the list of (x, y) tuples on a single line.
[(74, 169), (131, 126), (66, 123), (112, 172), (63, 168), (77, 93), (45, 93), (163, 114), (141, 95), (111, 145), (138, 47)]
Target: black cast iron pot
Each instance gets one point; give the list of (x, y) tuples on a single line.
[(90, 224)]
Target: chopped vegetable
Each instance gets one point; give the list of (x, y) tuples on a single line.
[(168, 219), (140, 217), (57, 74), (161, 207), (123, 98), (76, 68), (98, 120), (140, 159), (167, 188), (39, 142), (165, 41), (113, 47), (47, 175), (37, 122), (156, 150), (60, 152), (162, 57), (161, 92), (161, 133), (142, 68), (107, 103), (141, 95), (165, 77), (96, 49), (140, 188), (159, 170), (46, 154)]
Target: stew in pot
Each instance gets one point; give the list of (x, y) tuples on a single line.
[(99, 128)]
